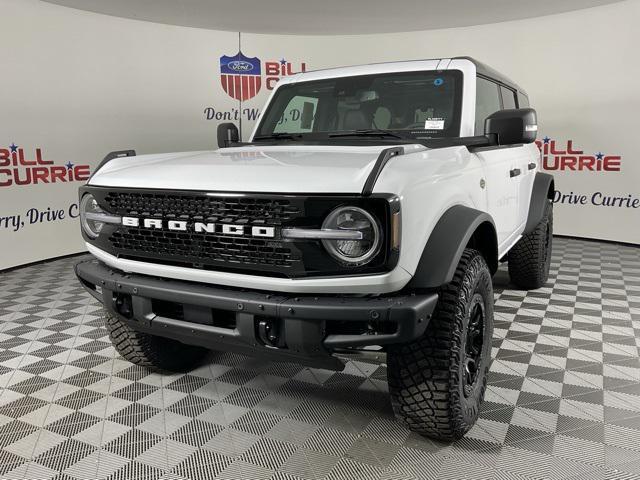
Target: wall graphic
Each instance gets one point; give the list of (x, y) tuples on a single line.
[(565, 158), (597, 193), (78, 85), (243, 78)]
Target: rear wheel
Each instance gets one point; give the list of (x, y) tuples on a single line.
[(437, 382), (151, 351), (530, 258)]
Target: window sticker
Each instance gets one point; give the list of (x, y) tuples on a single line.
[(438, 81), (434, 124)]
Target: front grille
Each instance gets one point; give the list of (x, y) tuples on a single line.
[(215, 250), (205, 250), (225, 209)]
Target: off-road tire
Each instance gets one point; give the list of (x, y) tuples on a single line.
[(427, 377), (155, 353), (530, 258)]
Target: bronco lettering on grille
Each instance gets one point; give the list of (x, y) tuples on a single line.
[(200, 227)]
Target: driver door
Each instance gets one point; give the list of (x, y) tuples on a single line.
[(501, 165)]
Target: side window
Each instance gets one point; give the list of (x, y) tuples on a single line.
[(523, 100), (487, 102), (298, 116), (508, 98)]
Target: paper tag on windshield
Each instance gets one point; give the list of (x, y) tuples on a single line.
[(434, 124)]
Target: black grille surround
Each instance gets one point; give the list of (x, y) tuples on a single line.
[(240, 254)]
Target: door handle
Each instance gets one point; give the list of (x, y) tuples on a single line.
[(531, 166), (514, 173)]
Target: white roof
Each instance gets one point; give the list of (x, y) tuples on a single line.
[(372, 68)]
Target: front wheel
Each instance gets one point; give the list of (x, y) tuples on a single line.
[(437, 382)]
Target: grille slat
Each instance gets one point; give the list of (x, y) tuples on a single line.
[(225, 209), (203, 247)]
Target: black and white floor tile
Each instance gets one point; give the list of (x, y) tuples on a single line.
[(563, 400)]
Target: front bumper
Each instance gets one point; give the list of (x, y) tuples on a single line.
[(382, 283), (304, 329)]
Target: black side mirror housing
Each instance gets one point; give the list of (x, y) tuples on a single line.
[(512, 126), (227, 134)]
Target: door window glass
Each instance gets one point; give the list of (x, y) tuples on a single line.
[(508, 98), (523, 101), (487, 102)]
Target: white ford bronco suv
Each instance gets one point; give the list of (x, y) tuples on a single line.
[(369, 210)]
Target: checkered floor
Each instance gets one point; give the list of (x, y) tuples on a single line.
[(563, 399)]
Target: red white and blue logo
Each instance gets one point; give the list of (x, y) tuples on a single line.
[(240, 76)]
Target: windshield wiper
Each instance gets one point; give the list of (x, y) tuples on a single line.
[(370, 132), (279, 136)]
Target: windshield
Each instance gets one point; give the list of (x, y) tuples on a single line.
[(423, 104)]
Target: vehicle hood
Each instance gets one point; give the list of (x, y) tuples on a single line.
[(272, 169)]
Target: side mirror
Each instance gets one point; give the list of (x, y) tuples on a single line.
[(227, 134), (513, 126)]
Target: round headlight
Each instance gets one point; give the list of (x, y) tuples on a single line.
[(354, 219), (89, 209)]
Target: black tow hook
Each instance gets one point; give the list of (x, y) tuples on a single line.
[(269, 332), (124, 305)]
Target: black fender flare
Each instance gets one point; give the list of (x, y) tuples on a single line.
[(543, 189), (458, 227)]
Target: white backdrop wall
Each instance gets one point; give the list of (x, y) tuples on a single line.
[(77, 85)]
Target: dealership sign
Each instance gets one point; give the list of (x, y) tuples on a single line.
[(18, 168), (241, 76), (563, 155), (583, 182)]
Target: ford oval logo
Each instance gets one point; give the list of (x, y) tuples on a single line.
[(240, 66)]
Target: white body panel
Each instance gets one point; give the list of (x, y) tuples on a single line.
[(427, 181), (269, 169), (502, 191)]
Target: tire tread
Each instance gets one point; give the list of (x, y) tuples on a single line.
[(529, 259), (150, 351), (424, 375)]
